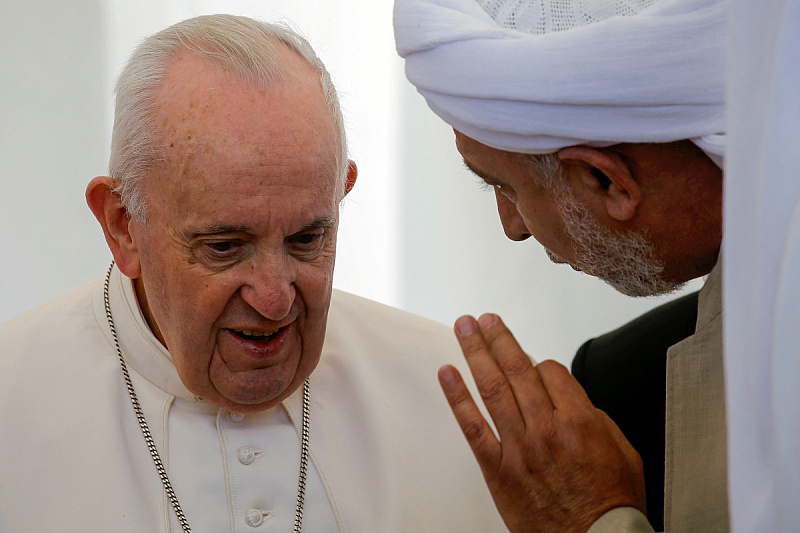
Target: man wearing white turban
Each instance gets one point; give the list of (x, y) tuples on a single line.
[(600, 126)]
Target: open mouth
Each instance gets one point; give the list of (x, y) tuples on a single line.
[(261, 337)]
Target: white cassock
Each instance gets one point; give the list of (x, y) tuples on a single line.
[(386, 454), (762, 266)]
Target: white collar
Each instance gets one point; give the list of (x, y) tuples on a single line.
[(140, 348)]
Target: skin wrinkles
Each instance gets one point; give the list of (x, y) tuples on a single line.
[(527, 208), (642, 247), (487, 179), (241, 231)]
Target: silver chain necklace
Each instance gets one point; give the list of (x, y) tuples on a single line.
[(151, 445)]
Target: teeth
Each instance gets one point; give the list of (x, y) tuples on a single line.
[(251, 333)]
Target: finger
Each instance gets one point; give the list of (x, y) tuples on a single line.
[(530, 393), (489, 378), (564, 390), (573, 405), (476, 429)]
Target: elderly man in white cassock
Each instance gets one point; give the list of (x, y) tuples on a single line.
[(212, 380), (600, 127)]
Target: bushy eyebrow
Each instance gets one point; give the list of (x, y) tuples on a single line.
[(489, 179), (222, 228), (325, 222), (214, 229)]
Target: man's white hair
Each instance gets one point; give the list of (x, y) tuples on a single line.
[(246, 47), (546, 169)]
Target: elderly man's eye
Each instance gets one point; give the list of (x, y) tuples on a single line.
[(223, 248), (307, 238), (307, 242), (494, 187), (505, 191)]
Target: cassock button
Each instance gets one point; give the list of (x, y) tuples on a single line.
[(247, 455), (255, 517), (237, 417)]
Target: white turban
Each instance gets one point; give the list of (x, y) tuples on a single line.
[(535, 76)]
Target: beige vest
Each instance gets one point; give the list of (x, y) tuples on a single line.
[(695, 485)]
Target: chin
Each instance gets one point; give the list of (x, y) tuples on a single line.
[(257, 393), (645, 288), (557, 260), (245, 406), (255, 401)]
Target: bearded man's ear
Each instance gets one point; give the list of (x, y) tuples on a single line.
[(606, 178)]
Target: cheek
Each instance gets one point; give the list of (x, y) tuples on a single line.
[(190, 308), (545, 224), (316, 275), (315, 287), (193, 337)]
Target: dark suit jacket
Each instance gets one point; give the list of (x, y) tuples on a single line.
[(624, 374)]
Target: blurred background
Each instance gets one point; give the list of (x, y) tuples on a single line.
[(417, 231)]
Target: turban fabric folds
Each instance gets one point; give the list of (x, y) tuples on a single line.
[(654, 76)]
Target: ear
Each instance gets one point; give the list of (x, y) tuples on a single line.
[(606, 176), (352, 174), (110, 212)]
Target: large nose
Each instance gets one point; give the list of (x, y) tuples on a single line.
[(270, 288), (513, 223)]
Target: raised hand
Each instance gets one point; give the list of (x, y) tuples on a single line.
[(559, 463)]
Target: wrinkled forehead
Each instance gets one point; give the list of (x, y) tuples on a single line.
[(205, 115), (199, 97), (225, 141)]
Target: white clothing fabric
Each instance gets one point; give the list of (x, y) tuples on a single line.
[(547, 16), (657, 76), (622, 520), (762, 265), (386, 454)]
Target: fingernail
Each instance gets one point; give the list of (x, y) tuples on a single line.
[(486, 320), (447, 376), (465, 326)]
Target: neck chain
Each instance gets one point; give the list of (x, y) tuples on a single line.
[(151, 446)]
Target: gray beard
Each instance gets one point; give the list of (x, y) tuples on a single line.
[(625, 261)]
